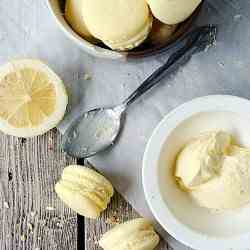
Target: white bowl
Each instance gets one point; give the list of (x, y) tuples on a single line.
[(194, 226)]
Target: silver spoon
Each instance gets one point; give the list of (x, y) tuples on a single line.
[(97, 129)]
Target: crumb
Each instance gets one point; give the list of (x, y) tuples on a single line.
[(50, 143), (113, 220), (23, 237), (59, 224), (6, 204), (33, 214), (30, 226), (43, 222), (221, 64), (87, 77), (237, 17), (50, 208), (96, 241)]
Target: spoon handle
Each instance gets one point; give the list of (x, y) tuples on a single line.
[(195, 41)]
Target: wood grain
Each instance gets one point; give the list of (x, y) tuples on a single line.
[(31, 215), (118, 211)]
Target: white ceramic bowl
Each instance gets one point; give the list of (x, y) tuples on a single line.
[(194, 226)]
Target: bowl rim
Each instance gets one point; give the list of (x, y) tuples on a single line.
[(159, 208), (100, 52)]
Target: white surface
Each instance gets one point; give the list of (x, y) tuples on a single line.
[(197, 227), (28, 30)]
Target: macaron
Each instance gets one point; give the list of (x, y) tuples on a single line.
[(136, 234), (84, 190), (121, 25), (73, 15), (173, 11)]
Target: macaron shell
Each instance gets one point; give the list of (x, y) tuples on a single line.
[(116, 21), (77, 202), (98, 197), (134, 41), (73, 15), (136, 234), (143, 240), (89, 177), (173, 11)]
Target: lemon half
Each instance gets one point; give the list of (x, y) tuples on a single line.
[(33, 98)]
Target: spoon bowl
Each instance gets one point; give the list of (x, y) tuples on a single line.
[(93, 131)]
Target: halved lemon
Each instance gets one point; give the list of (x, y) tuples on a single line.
[(33, 98)]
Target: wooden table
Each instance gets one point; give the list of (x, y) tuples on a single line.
[(31, 215)]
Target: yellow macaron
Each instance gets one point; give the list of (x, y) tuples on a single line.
[(121, 25), (84, 190)]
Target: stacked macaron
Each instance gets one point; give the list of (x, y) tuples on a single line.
[(124, 25), (84, 190)]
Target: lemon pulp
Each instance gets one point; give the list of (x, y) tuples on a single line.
[(31, 97)]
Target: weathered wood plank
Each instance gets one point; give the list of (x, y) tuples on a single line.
[(31, 215), (118, 211)]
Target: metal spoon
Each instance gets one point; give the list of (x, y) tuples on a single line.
[(97, 129)]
